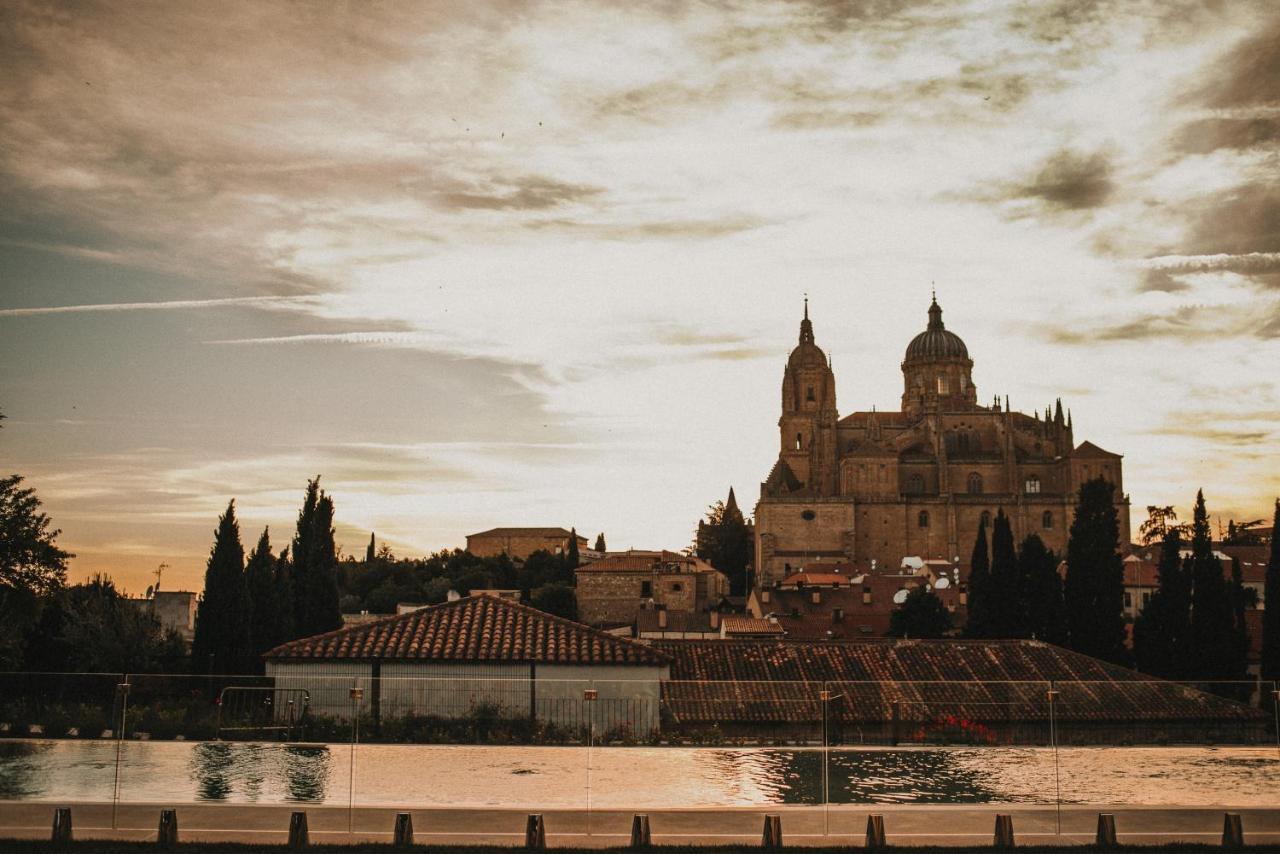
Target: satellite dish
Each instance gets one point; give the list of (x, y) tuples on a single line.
[(942, 583), (900, 596)]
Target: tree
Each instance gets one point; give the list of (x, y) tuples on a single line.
[(1271, 614), (1242, 599), (725, 540), (222, 639), (1094, 587), (284, 597), (369, 552), (265, 601), (1040, 589), (1211, 646), (572, 559), (921, 615), (979, 623), (1004, 592), (315, 566), (1162, 632), (1160, 520), (558, 599), (31, 565), (600, 546)]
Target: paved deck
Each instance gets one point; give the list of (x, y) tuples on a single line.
[(836, 825)]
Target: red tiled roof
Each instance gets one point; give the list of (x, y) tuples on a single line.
[(813, 577), (524, 532), (779, 681), (735, 624), (645, 561), (477, 628)]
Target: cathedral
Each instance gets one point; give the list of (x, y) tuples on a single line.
[(866, 490)]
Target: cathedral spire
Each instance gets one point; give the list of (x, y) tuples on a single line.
[(806, 326), (935, 314)]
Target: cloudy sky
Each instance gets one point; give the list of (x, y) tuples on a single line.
[(526, 263)]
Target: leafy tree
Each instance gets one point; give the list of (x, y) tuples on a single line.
[(572, 559), (1271, 613), (265, 600), (1243, 533), (1004, 591), (921, 615), (558, 599), (31, 565), (92, 628), (1211, 646), (1040, 589), (315, 566), (1162, 632), (542, 568), (980, 623), (724, 540), (1094, 587), (1160, 520), (600, 547), (222, 640)]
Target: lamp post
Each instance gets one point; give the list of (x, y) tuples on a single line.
[(357, 695), (590, 696)]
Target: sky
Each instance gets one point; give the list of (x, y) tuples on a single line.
[(484, 264)]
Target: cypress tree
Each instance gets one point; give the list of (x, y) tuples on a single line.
[(1094, 587), (1210, 645), (1004, 594), (572, 559), (1161, 633), (1041, 592), (323, 609), (264, 600), (1241, 599), (600, 547), (300, 566), (284, 597), (369, 550), (221, 643), (1271, 613), (979, 621)]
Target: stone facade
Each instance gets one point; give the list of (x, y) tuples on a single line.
[(519, 543), (877, 486), (614, 588)]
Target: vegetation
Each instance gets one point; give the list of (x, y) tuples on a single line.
[(1094, 587), (1271, 615), (981, 622), (315, 566), (921, 615), (725, 541), (1040, 592), (1213, 653), (222, 640), (1162, 632)]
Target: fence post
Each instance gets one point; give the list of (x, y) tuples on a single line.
[(1004, 831), (772, 836), (1232, 831), (1106, 836), (640, 837), (167, 834), (62, 824), (298, 836), (535, 832), (875, 832), (404, 830)]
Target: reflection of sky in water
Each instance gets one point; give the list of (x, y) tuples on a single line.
[(176, 772)]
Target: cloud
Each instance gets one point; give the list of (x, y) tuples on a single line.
[(1165, 273), (1240, 221), (675, 229), (295, 303), (1207, 135), (1071, 181), (1246, 77), (1189, 322), (528, 193)]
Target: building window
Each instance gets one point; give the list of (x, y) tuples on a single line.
[(1046, 521), (676, 587), (808, 515), (1033, 485), (986, 518), (1128, 599), (799, 443), (809, 394), (975, 483), (922, 520), (915, 484), (943, 386), (646, 589), (962, 443)]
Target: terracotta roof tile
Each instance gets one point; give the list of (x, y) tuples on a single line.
[(477, 628)]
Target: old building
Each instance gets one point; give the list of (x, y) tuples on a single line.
[(613, 589), (875, 486), (174, 609), (476, 652), (519, 543)]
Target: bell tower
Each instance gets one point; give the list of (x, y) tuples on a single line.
[(808, 424)]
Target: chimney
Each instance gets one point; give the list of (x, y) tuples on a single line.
[(817, 597), (764, 595), (662, 618), (715, 619), (866, 596)]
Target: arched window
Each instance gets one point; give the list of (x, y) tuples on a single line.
[(809, 394), (986, 518), (915, 485), (1046, 521), (943, 386), (922, 520), (1033, 484), (975, 483)]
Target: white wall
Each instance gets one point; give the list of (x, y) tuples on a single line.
[(328, 683)]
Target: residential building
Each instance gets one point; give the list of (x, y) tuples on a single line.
[(519, 543), (615, 588)]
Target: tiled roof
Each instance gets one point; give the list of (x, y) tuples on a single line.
[(779, 681), (807, 577), (476, 628), (646, 561), (1088, 449), (735, 624), (524, 532)]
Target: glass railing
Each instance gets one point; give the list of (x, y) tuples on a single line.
[(470, 757)]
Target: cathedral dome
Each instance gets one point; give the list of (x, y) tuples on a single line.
[(936, 342), (807, 354)]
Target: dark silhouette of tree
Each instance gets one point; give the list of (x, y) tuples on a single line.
[(1160, 520), (265, 601), (558, 599), (222, 638), (284, 596), (572, 559), (600, 546), (370, 552), (921, 615), (31, 566), (1271, 613), (1004, 591), (980, 623), (1162, 631), (1040, 589), (1094, 587), (725, 540), (315, 566), (1211, 646)]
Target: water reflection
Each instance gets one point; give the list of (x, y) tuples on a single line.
[(306, 772), (19, 768), (211, 765), (238, 771)]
